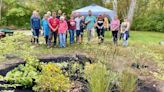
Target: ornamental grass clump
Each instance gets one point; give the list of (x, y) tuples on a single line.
[(128, 82), (99, 78)]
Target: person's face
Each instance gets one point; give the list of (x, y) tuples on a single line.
[(82, 17), (78, 15), (72, 17), (89, 13), (62, 19), (126, 19), (54, 15), (46, 17), (115, 17)]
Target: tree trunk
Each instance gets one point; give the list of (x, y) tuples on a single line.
[(131, 10), (115, 6), (0, 9)]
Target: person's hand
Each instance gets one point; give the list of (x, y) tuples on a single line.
[(53, 30), (126, 29)]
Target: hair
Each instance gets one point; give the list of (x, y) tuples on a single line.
[(100, 17), (46, 15), (89, 11), (62, 17), (35, 13), (49, 12)]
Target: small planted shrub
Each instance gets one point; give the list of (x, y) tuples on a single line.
[(51, 79), (97, 76), (128, 82), (23, 75)]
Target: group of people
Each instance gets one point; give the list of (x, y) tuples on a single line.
[(56, 26)]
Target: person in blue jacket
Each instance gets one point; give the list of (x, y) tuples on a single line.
[(46, 28), (35, 23)]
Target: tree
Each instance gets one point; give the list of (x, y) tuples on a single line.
[(131, 10), (0, 9), (115, 6)]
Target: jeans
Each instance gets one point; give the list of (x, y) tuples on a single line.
[(51, 36), (125, 38), (36, 35), (71, 32), (62, 39)]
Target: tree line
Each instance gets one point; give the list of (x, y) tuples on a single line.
[(148, 14)]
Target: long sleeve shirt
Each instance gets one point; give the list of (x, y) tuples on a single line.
[(115, 25)]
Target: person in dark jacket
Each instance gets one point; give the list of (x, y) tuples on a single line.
[(36, 25), (100, 28)]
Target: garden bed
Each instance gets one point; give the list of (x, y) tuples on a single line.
[(143, 84), (80, 82), (9, 65)]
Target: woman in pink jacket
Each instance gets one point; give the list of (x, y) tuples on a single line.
[(63, 27), (115, 27)]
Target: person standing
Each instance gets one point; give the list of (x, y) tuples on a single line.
[(78, 20), (100, 28), (82, 28), (53, 24), (32, 31), (90, 22), (106, 22), (125, 31), (63, 27), (45, 26), (36, 25), (72, 28), (49, 15), (115, 26), (59, 14), (65, 17)]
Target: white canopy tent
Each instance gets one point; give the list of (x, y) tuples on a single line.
[(96, 10)]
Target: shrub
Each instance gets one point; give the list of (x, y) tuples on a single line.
[(51, 79), (3, 21), (152, 22)]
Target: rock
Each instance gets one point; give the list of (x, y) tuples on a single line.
[(161, 42)]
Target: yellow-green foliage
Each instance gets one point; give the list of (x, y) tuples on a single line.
[(97, 76), (15, 45), (51, 79), (128, 82)]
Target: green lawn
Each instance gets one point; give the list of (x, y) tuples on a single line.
[(142, 37), (147, 37)]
